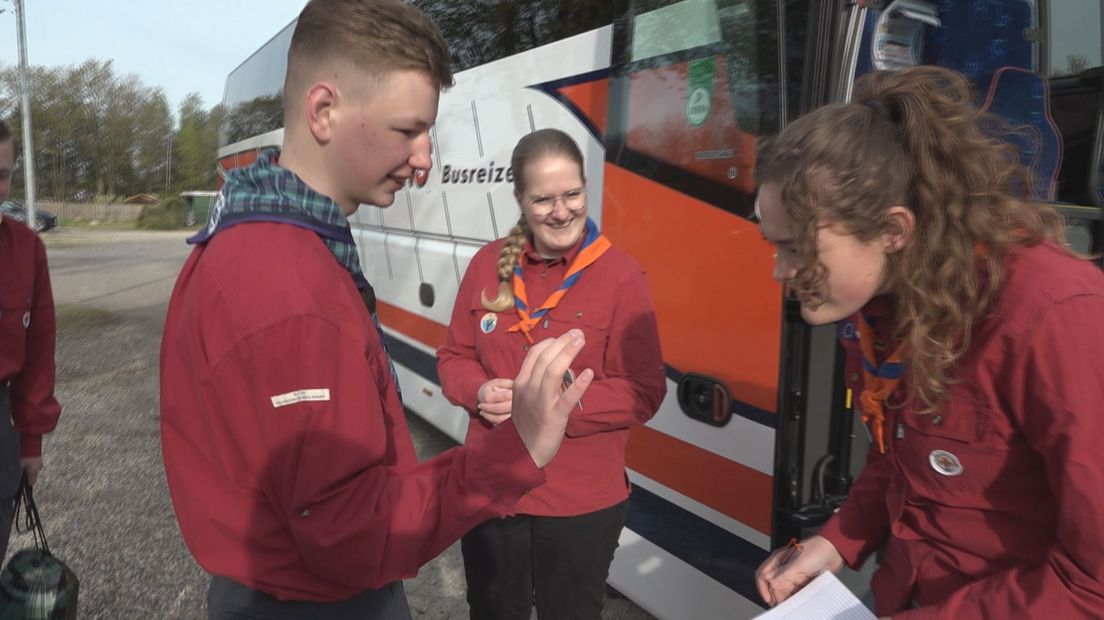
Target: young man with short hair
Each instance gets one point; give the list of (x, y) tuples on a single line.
[(28, 409), (286, 450)]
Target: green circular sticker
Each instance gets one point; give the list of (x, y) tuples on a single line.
[(698, 106)]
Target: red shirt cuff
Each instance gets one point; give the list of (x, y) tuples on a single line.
[(847, 540), (30, 445), (508, 470)]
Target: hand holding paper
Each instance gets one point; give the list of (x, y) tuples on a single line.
[(823, 598), (788, 569)]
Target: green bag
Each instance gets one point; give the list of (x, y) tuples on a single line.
[(35, 585)]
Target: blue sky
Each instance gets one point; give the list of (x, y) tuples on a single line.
[(182, 46)]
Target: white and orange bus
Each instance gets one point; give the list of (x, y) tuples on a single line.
[(754, 443)]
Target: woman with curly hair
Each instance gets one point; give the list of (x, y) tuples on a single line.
[(974, 345)]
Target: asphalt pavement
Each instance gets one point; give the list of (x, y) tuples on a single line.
[(102, 494)]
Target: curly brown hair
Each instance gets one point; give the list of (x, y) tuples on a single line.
[(912, 138)]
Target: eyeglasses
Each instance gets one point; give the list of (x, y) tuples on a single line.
[(573, 199)]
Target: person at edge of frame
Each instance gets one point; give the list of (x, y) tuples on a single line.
[(973, 340), (28, 409)]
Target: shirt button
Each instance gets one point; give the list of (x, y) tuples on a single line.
[(937, 420), (854, 377), (304, 514), (544, 274)]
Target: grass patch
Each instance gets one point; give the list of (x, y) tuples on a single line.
[(169, 215), (71, 316)]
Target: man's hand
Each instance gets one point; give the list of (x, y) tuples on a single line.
[(31, 466), (496, 399), (540, 404), (789, 569)]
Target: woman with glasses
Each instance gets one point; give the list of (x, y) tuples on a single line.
[(554, 272)]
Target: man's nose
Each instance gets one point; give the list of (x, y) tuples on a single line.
[(421, 157)]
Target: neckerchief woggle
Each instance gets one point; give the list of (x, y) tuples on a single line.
[(879, 381), (268, 192), (594, 246)]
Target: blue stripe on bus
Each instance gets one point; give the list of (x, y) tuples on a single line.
[(709, 548), (421, 363), (425, 365), (552, 89)]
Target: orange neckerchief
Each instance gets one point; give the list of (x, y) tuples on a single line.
[(595, 245), (879, 381)]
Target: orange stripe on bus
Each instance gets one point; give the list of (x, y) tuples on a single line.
[(726, 486), (719, 310), (592, 99), (425, 331)]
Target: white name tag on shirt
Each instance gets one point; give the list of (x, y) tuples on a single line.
[(299, 396)]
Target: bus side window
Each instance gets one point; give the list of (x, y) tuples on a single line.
[(253, 103), (695, 83), (1072, 60), (481, 32)]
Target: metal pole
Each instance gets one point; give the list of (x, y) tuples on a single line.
[(168, 164), (25, 88)]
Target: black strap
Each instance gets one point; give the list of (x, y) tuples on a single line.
[(368, 294), (32, 521)]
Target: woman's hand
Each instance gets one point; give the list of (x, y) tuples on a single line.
[(788, 569), (496, 399)]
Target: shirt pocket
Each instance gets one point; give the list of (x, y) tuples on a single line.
[(592, 317), (952, 455), (15, 317)]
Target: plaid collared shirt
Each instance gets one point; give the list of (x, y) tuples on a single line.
[(267, 192)]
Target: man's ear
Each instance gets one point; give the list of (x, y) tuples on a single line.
[(320, 112), (901, 227)]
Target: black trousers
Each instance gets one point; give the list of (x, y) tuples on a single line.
[(9, 468), (230, 600), (561, 562)]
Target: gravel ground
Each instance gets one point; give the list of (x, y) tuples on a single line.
[(102, 495)]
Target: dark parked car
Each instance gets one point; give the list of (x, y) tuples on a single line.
[(44, 220)]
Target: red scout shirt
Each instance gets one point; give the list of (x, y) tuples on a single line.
[(27, 334), (611, 304), (287, 454), (993, 506)]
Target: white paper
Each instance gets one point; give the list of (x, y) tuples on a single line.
[(824, 598)]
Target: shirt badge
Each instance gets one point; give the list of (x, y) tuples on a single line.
[(945, 463), (26, 320), (300, 396), (488, 322)]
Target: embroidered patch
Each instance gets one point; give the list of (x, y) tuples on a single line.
[(945, 463), (488, 322), (299, 396)]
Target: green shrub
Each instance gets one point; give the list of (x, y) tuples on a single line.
[(169, 215)]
